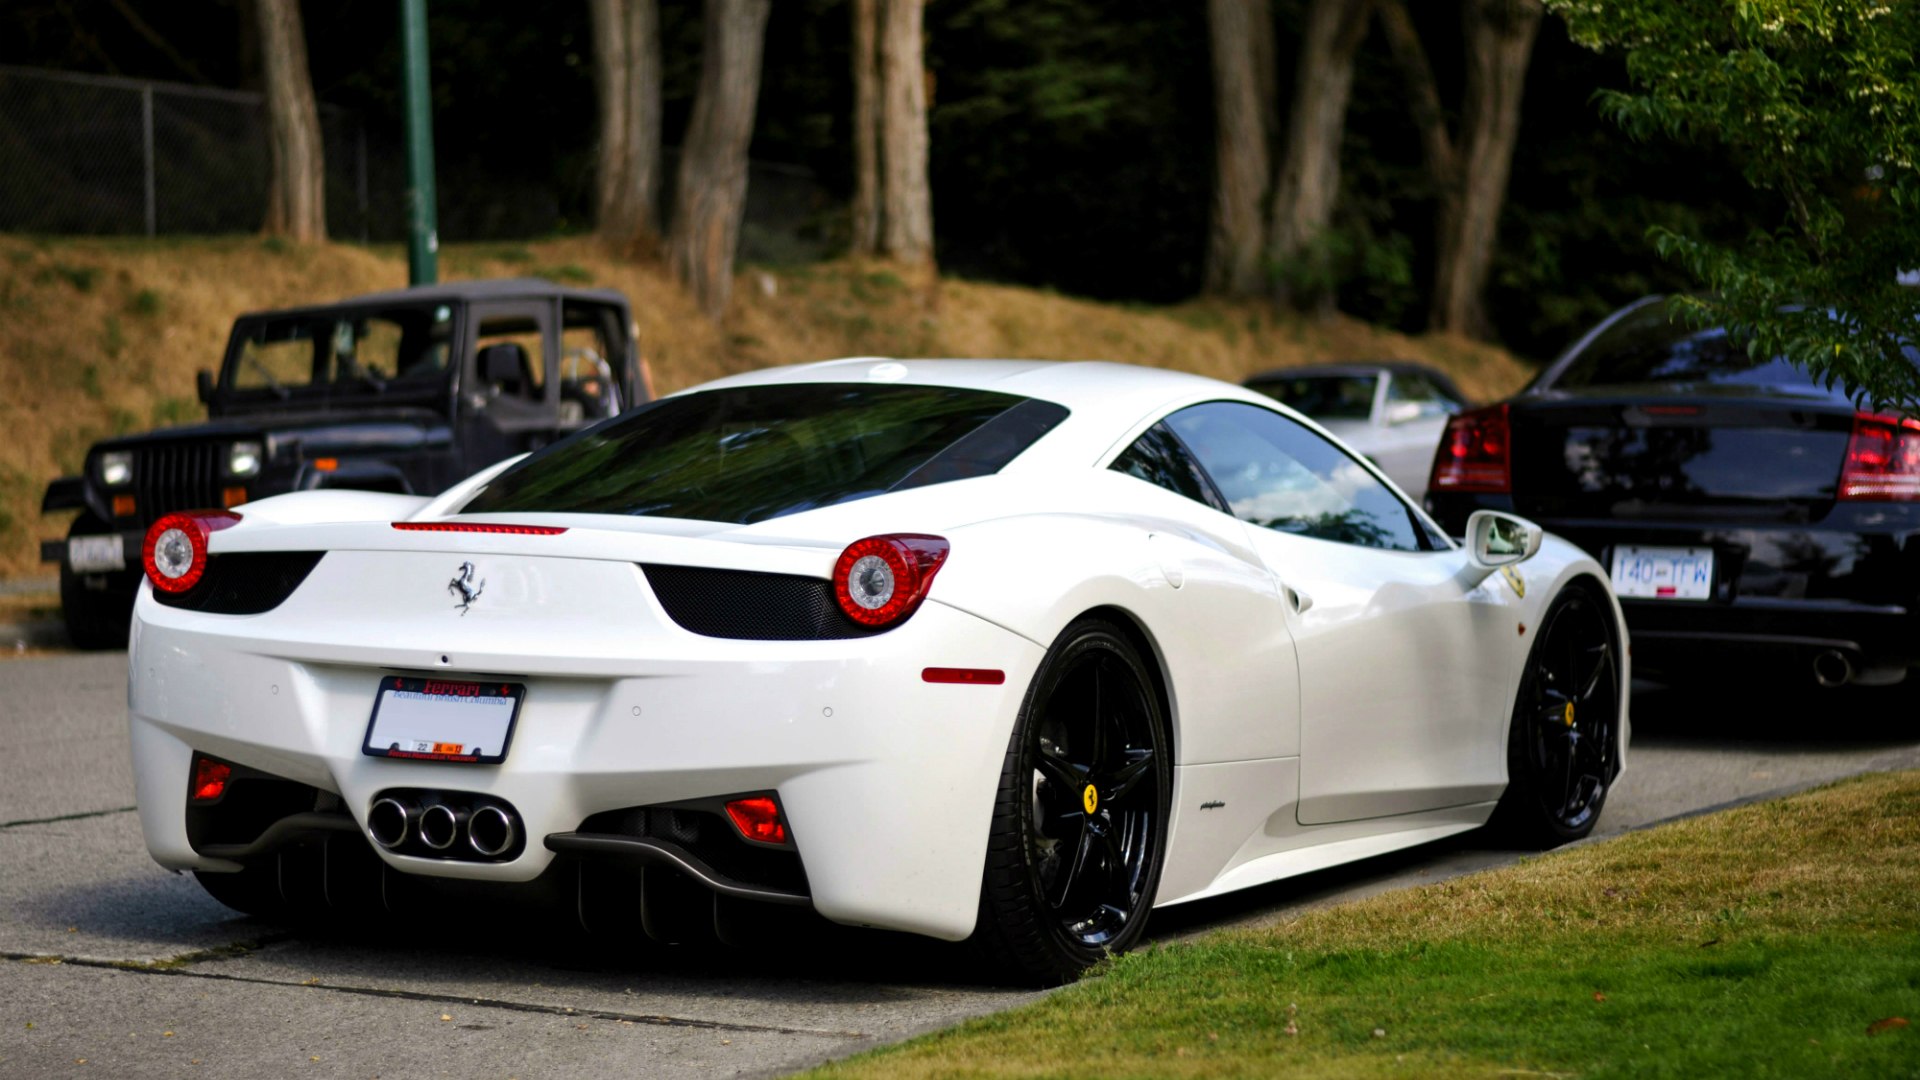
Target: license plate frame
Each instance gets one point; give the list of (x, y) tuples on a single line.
[(1665, 573), (425, 724), (97, 554)]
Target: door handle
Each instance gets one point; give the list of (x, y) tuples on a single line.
[(1297, 600)]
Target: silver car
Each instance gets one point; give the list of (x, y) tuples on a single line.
[(1393, 411)]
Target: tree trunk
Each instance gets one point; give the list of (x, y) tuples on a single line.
[(297, 189), (907, 220), (626, 81), (1308, 182), (710, 194), (866, 127), (1240, 150), (1499, 42)]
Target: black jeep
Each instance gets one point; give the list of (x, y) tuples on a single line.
[(404, 391)]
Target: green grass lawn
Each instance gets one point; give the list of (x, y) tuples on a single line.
[(1764, 941)]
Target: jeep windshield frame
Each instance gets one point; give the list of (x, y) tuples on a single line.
[(346, 356)]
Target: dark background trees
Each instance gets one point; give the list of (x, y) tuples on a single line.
[(1071, 141)]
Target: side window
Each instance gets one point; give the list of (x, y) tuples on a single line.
[(589, 356), (1277, 474), (1158, 458), (512, 361), (1419, 397)]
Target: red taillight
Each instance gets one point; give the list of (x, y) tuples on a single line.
[(881, 580), (175, 551), (758, 819), (209, 779), (478, 527), (1476, 453), (1883, 460)]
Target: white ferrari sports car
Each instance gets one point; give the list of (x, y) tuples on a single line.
[(1014, 651)]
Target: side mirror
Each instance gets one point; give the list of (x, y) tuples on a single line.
[(203, 384), (1495, 539)]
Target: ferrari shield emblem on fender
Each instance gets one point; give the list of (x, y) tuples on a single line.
[(463, 587), (1514, 579)]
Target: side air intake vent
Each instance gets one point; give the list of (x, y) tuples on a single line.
[(245, 582), (751, 606)]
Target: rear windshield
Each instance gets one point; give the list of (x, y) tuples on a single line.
[(1323, 397), (751, 453), (1649, 346)]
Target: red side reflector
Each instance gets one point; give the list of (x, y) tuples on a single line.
[(209, 779), (971, 675), (758, 819), (477, 527)]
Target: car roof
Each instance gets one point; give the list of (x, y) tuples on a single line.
[(460, 292)]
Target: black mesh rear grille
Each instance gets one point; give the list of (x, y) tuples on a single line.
[(751, 606), (176, 476), (245, 582)]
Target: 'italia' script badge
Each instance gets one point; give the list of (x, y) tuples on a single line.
[(464, 588)]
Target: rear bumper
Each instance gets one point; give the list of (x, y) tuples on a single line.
[(886, 781), (1781, 593)]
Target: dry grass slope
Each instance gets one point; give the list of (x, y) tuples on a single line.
[(99, 337)]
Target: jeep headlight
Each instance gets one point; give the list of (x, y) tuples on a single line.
[(116, 468), (243, 459)]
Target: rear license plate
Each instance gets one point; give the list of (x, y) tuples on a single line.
[(92, 554), (1663, 573), (443, 720)]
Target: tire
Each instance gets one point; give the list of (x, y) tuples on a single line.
[(253, 890), (95, 618), (1563, 746), (1065, 885)]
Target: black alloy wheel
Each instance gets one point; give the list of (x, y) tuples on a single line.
[(1564, 750), (1080, 823)]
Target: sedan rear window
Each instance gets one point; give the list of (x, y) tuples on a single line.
[(1650, 345), (752, 453)]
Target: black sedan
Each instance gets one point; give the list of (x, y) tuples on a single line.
[(1752, 519)]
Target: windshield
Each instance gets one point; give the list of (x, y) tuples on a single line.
[(370, 348), (751, 453), (1323, 397)]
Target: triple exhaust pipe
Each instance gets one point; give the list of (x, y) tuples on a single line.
[(436, 827)]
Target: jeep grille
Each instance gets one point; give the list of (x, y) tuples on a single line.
[(182, 476)]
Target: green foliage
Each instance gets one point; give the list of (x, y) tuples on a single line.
[(81, 278), (113, 339), (1818, 105), (173, 411), (568, 274)]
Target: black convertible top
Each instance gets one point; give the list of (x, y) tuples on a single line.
[(1361, 368)]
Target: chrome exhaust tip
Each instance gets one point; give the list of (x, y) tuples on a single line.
[(1832, 668), (440, 826), (389, 821), (491, 831)]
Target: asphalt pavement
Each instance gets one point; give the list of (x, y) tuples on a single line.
[(111, 966)]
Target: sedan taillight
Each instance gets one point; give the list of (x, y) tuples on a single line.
[(175, 552), (1475, 454), (1883, 460)]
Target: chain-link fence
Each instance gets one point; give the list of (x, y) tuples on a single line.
[(93, 154)]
